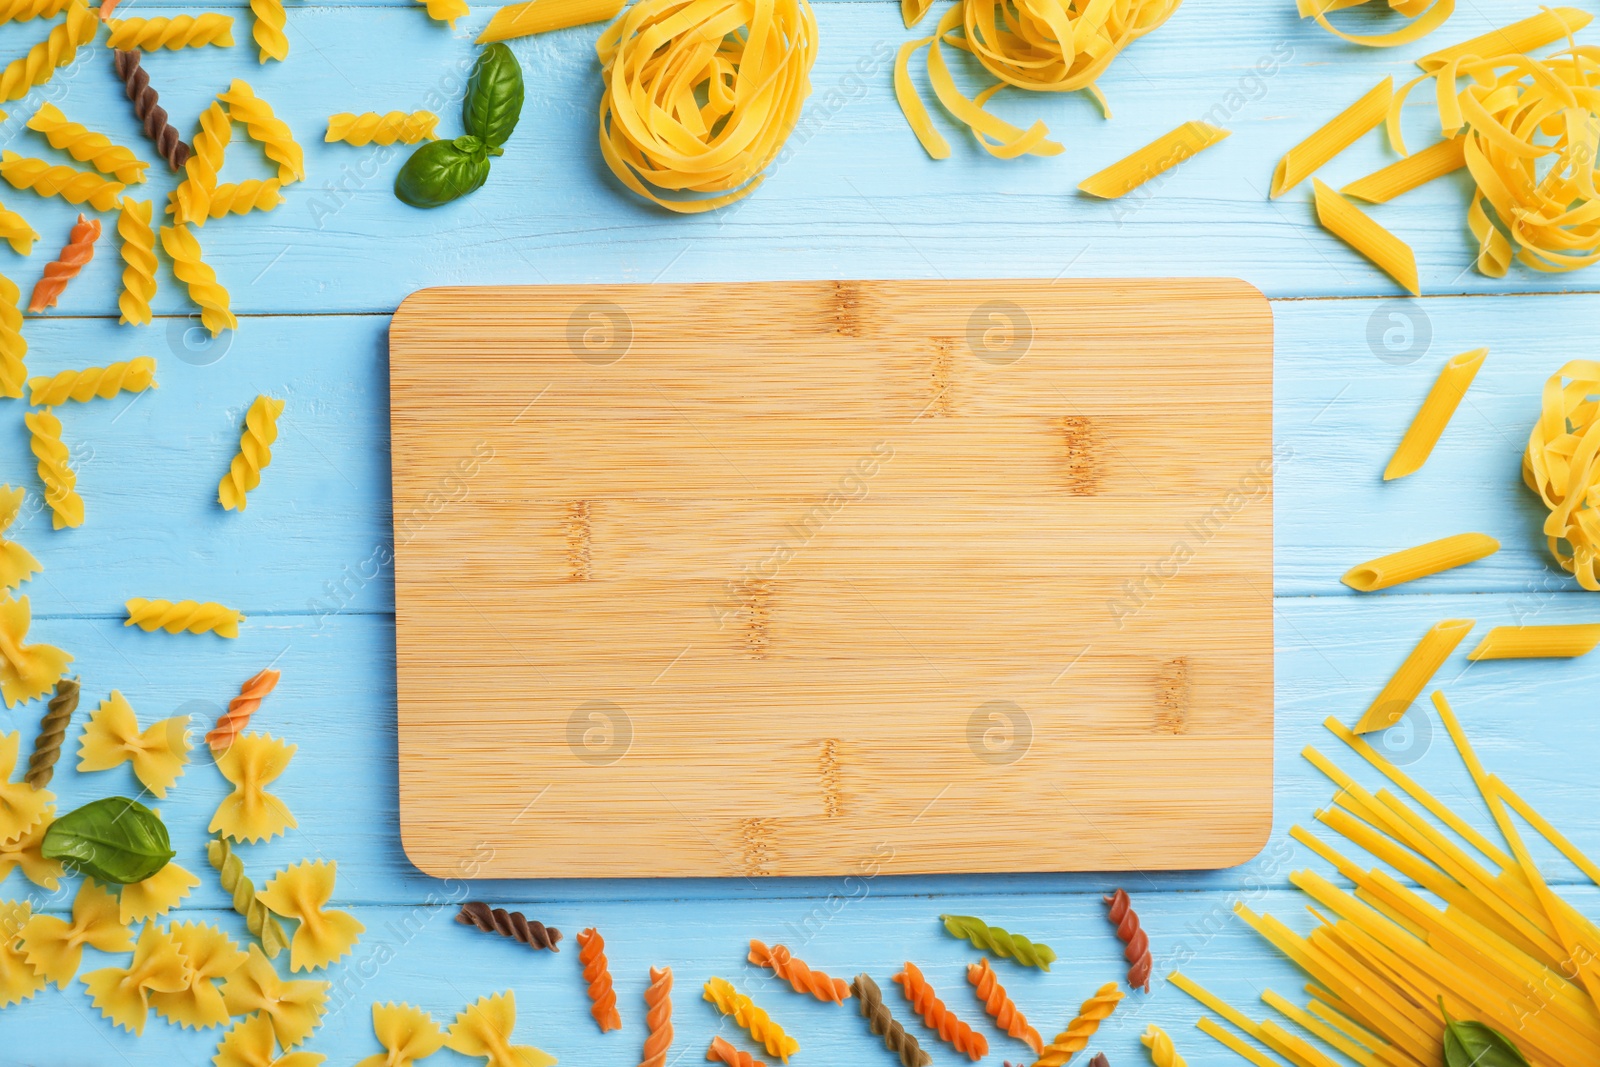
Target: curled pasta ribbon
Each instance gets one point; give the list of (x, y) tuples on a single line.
[(271, 132), (758, 1023), (87, 146), (173, 34), (1002, 943), (242, 892), (938, 1018), (27, 672), (23, 10), (302, 892), (17, 565), (191, 200), (597, 973), (56, 50), (54, 947), (1121, 914), (249, 1044), (244, 197), (127, 376), (998, 1005), (446, 10), (373, 128), (21, 805), (657, 1018), (139, 257), (16, 232), (268, 29), (175, 618), (212, 299), (255, 453), (211, 957), (484, 1029), (722, 1052), (75, 255), (1562, 465), (802, 978), (293, 1008), (407, 1035), (663, 57), (13, 346), (1071, 1041), (112, 738), (156, 895), (58, 179), (883, 1023), (123, 993), (1424, 20), (1039, 45), (18, 981), (250, 813), (60, 482), (25, 853), (233, 721)]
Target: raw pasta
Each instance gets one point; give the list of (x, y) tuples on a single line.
[(800, 977), (1358, 230), (18, 981), (1538, 642), (484, 1029), (512, 924), (16, 232), (136, 86), (268, 29), (1076, 1036), (1155, 158), (123, 993), (53, 947), (1547, 27), (233, 721), (1002, 943), (1342, 131), (655, 132), (139, 255), (542, 16), (936, 1016), (112, 738), (302, 892), (250, 813), (1561, 465), (255, 453), (1412, 563), (17, 564), (657, 1018), (21, 805), (597, 973), (131, 376), (60, 483), (261, 923), (729, 1001), (201, 280), (722, 1052), (211, 957), (1137, 953), (997, 1005), (271, 132), (23, 10), (75, 255), (176, 617), (249, 1044), (87, 146), (156, 895), (191, 200), (1414, 674), (407, 1035), (25, 853), (13, 346), (56, 50), (293, 1008), (373, 128), (178, 32), (57, 179), (1162, 1052), (446, 10), (27, 672), (1435, 414), (1426, 15), (241, 198), (883, 1023)]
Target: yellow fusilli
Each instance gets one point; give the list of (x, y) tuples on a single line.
[(14, 229), (139, 253), (56, 50), (371, 127), (60, 483), (191, 200), (87, 146), (23, 10), (132, 376), (13, 347), (255, 452), (180, 31), (176, 617), (57, 179), (271, 132), (243, 197), (268, 29), (446, 10), (204, 289)]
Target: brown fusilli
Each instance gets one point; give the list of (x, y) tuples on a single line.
[(1137, 953), (885, 1025), (136, 83), (52, 728), (512, 924)]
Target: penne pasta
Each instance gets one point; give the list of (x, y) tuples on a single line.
[(1538, 642), (1358, 230), (1304, 159), (1157, 157), (1547, 27), (1435, 414), (1424, 20), (1414, 674), (1420, 168), (542, 16), (1420, 561)]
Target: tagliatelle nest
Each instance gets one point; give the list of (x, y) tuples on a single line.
[(1054, 46), (700, 95), (1562, 465)]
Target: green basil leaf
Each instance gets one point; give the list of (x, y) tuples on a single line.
[(115, 840), (1475, 1044), (440, 171), (494, 96)]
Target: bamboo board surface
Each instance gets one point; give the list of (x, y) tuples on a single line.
[(736, 579)]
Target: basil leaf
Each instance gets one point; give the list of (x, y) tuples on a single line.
[(494, 97), (115, 840), (440, 171), (1475, 1044)]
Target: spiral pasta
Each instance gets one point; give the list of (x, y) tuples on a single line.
[(13, 346), (27, 672), (241, 198), (58, 179), (662, 57), (1075, 1037), (883, 1023), (75, 255), (723, 1052), (512, 924), (268, 29), (261, 923), (191, 200), (1561, 465), (173, 34), (1002, 943), (292, 1007), (139, 259), (250, 813), (407, 1035), (757, 1022), (255, 453), (184, 251), (372, 128), (597, 973), (146, 108), (271, 132), (23, 10), (56, 50), (233, 721), (1162, 1052), (802, 978), (998, 1006), (302, 892), (1039, 45), (60, 483), (657, 1018), (17, 564), (937, 1017), (16, 232), (1137, 953), (112, 738), (211, 957), (53, 947), (87, 146), (52, 731), (177, 616)]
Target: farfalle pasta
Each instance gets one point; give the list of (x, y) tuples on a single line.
[(249, 1044), (250, 813), (292, 1007), (23, 853), (211, 957), (21, 805), (407, 1035), (302, 892), (156, 895), (484, 1030), (53, 947), (17, 564), (18, 981), (27, 672), (112, 738)]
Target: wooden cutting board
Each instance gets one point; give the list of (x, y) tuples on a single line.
[(820, 578)]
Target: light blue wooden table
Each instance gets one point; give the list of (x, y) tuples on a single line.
[(854, 196)]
